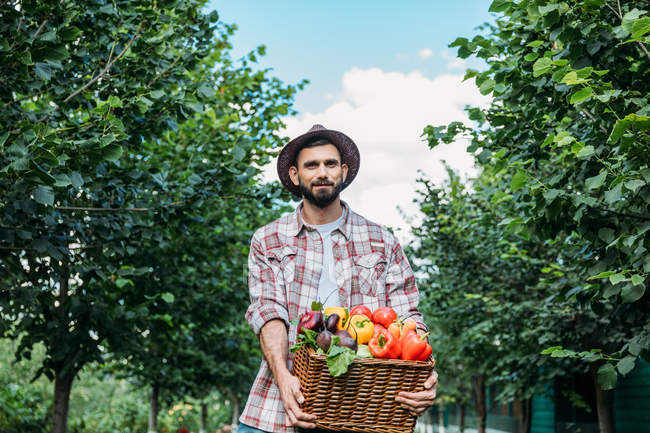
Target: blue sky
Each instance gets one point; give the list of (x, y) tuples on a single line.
[(380, 72), (319, 40)]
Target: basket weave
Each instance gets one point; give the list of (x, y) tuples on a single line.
[(363, 399)]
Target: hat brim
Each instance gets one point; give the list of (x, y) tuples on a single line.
[(348, 149)]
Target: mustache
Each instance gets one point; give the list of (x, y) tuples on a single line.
[(323, 183)]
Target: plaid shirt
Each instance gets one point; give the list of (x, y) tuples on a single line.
[(285, 263)]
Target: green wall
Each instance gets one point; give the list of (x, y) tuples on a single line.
[(632, 400), (543, 420)]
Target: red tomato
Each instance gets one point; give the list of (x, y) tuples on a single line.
[(384, 315), (361, 309)]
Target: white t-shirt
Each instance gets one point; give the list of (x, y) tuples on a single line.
[(327, 287)]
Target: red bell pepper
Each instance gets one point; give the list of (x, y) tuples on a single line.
[(384, 315), (415, 347), (384, 345)]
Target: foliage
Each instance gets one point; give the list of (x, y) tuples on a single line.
[(130, 186), (564, 147)]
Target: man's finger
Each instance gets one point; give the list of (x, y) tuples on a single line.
[(432, 380), (414, 404), (421, 395)]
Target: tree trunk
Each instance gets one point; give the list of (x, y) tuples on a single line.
[(604, 406), (153, 409), (441, 417), (481, 407), (62, 387), (204, 417), (526, 414), (461, 418), (235, 410)]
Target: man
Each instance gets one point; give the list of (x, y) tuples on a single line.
[(322, 251)]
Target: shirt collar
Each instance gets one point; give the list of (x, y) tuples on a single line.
[(345, 226)]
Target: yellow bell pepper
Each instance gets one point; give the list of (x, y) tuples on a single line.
[(343, 316), (361, 328)]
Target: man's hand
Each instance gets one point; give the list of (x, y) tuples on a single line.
[(417, 402), (289, 386)]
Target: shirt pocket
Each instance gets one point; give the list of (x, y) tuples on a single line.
[(282, 259), (369, 270)]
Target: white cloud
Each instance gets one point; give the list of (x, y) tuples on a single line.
[(425, 53), (385, 114), (453, 62)]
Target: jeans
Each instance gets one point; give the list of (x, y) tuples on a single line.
[(243, 428)]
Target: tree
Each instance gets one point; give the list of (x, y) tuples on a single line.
[(91, 92), (565, 141)]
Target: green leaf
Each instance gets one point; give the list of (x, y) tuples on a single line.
[(626, 365), (168, 297), (112, 152), (57, 53), (640, 27), (69, 33), (542, 66), (43, 71), (76, 179), (535, 44), (3, 138), (607, 235), (62, 180), (114, 101), (614, 194), (487, 86), (619, 129), (596, 181), (316, 306), (44, 195), (617, 278), (602, 275), (552, 194), (634, 184), (631, 293), (637, 279), (499, 5), (531, 56), (586, 152), (550, 350), (545, 10), (339, 360), (607, 376), (518, 180), (238, 153), (121, 282), (581, 95), (157, 94)]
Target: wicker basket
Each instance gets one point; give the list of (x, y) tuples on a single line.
[(363, 399)]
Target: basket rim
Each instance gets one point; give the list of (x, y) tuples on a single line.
[(402, 363)]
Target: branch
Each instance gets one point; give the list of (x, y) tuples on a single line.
[(628, 215), (134, 209), (40, 29), (80, 247), (614, 10), (102, 209), (643, 48), (107, 68), (591, 116), (619, 15), (164, 71)]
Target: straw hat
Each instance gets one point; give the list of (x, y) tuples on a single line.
[(345, 145)]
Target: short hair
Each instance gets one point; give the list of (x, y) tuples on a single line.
[(313, 142)]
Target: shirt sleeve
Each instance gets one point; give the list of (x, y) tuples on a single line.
[(403, 295), (266, 289)]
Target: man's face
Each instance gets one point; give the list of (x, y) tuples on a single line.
[(319, 174)]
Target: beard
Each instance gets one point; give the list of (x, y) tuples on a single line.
[(322, 198)]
